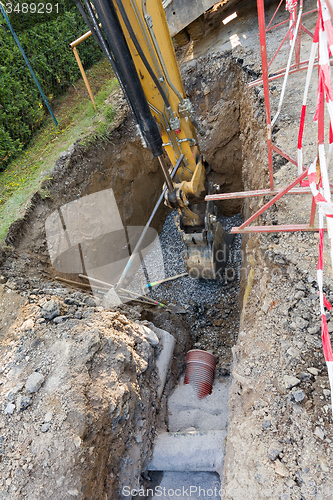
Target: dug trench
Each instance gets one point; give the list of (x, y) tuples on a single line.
[(89, 430), (79, 383)]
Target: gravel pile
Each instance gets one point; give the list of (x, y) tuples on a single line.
[(185, 290)]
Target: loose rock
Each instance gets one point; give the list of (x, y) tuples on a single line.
[(23, 402), (34, 382), (274, 450), (50, 310), (10, 408), (290, 381)]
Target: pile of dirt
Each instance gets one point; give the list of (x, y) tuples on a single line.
[(78, 396)]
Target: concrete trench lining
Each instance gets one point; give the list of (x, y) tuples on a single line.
[(193, 451)]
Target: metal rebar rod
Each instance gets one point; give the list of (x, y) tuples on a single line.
[(137, 246), (142, 301), (275, 229), (134, 294), (155, 283), (149, 300), (166, 173), (71, 282), (108, 285)]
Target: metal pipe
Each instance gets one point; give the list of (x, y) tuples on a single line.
[(279, 48), (285, 155), (84, 76), (255, 193), (262, 32), (155, 283), (166, 173), (3, 12), (137, 246), (281, 193), (128, 74), (81, 38), (277, 76), (308, 32), (149, 45), (159, 54), (313, 212), (274, 15), (170, 133), (274, 229), (149, 300)]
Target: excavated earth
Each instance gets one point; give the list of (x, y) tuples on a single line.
[(78, 381)]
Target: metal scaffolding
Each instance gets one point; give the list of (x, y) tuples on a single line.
[(294, 33)]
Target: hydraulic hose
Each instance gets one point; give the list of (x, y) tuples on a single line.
[(89, 24), (141, 53), (157, 48), (126, 72)]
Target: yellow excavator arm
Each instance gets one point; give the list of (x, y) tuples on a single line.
[(136, 39), (148, 22)]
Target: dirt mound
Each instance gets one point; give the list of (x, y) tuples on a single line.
[(78, 399)]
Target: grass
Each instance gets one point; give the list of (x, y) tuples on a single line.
[(78, 120)]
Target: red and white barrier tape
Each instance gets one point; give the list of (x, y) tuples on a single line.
[(323, 42), (291, 7), (292, 47), (325, 209), (314, 48)]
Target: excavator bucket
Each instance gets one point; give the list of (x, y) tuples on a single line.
[(206, 254), (207, 246)]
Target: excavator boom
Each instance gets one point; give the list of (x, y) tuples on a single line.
[(136, 39)]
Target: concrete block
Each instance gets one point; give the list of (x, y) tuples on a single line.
[(163, 360), (189, 451)]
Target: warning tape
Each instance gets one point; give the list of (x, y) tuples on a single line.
[(291, 7), (325, 209), (314, 48), (318, 174)]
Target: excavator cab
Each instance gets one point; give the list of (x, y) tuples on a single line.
[(134, 36)]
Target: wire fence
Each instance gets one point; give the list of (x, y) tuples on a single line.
[(36, 34)]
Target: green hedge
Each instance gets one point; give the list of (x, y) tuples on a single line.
[(46, 45)]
